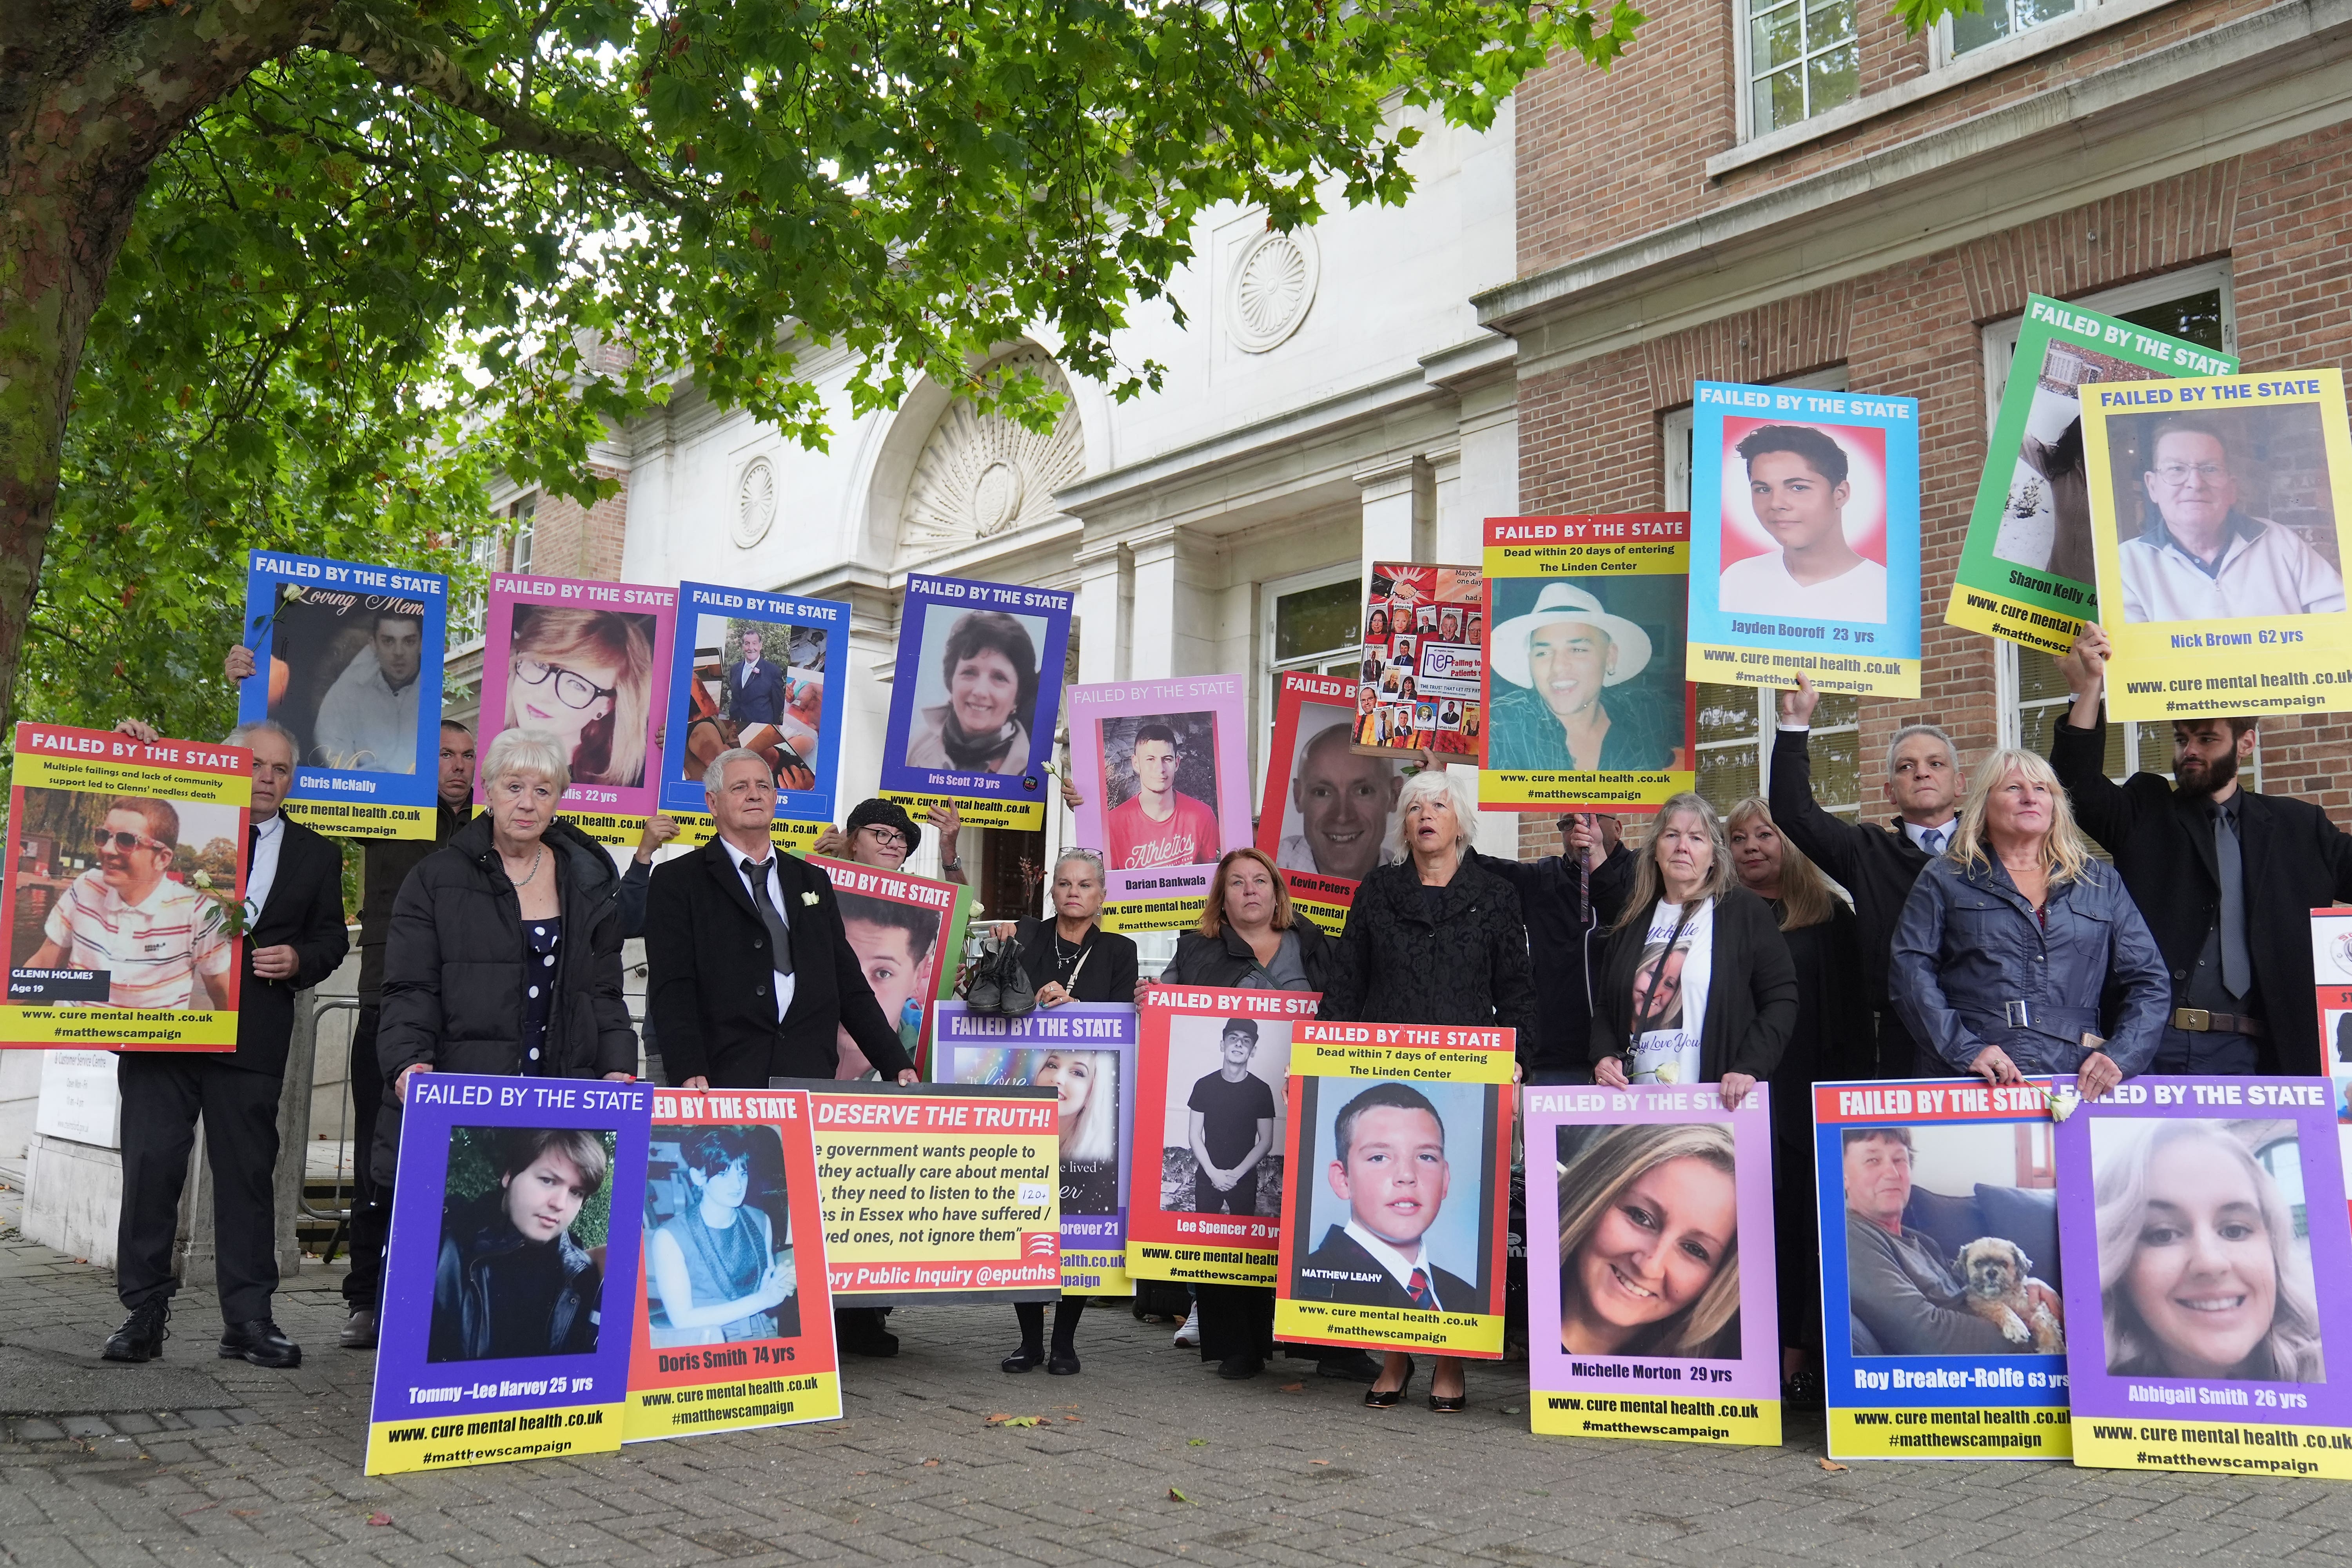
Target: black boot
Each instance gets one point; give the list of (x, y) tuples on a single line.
[(142, 1333), (1063, 1362), (1030, 1316), (261, 1341)]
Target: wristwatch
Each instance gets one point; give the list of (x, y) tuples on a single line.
[(950, 865)]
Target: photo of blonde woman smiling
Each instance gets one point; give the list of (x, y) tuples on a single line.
[(1649, 1240)]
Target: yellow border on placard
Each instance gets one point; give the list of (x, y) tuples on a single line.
[(89, 775), (1579, 1414), (1151, 914), (2324, 1452), (694, 1409), (1519, 789), (492, 1438), (1158, 1260), (700, 828), (1430, 1064), (1998, 616), (360, 820), (1777, 667), (1330, 919), (1107, 1280), (1909, 1432), (117, 1028), (1028, 815), (1476, 1334)]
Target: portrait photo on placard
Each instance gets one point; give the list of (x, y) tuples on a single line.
[(1649, 1239), (1392, 1185), (2224, 513), (1803, 519), (2046, 526), (1226, 1116), (2204, 1250), (759, 684), (897, 947), (719, 1237), (1340, 814), (343, 670), (1587, 674), (1086, 1090), (136, 890), (585, 677), (526, 1213), (976, 693), (1159, 790), (1952, 1240)]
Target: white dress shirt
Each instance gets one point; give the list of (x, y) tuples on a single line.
[(1399, 1265), (767, 868), (364, 724), (270, 837), (1919, 834)]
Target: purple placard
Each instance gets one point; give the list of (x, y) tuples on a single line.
[(450, 1389), (1180, 746), (2208, 1261), (1706, 1369)]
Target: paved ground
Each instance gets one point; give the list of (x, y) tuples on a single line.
[(194, 1460)]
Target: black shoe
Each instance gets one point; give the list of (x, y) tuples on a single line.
[(871, 1341), (1240, 1366), (1352, 1364), (1389, 1398), (1449, 1404), (359, 1330), (1023, 1359), (142, 1333), (262, 1342), (1804, 1392), (1063, 1363)]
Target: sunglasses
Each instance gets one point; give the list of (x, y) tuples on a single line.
[(126, 842)]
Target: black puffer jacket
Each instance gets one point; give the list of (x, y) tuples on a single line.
[(1467, 965), (490, 1283), (1226, 959), (452, 969)]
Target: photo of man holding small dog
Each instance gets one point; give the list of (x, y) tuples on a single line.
[(1914, 1290)]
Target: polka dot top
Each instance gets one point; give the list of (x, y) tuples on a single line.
[(538, 991)]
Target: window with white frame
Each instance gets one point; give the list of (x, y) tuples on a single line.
[(523, 518), (501, 550), (1800, 58), (1965, 31), (2193, 303), (1314, 625)]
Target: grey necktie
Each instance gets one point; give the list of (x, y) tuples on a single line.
[(780, 935), (1931, 839), (2237, 964)]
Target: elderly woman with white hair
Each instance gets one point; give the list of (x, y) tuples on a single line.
[(1433, 939), (505, 949)]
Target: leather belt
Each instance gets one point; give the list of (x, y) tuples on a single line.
[(2074, 1026), (2201, 1021)]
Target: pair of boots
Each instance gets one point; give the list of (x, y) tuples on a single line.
[(1063, 1361)]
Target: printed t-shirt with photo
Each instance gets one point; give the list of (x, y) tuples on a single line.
[(1665, 1046)]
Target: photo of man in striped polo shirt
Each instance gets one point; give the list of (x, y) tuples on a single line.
[(159, 941)]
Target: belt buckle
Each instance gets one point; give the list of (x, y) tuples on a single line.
[(2197, 1020), (2019, 1015)]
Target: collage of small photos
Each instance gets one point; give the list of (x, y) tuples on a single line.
[(1423, 661)]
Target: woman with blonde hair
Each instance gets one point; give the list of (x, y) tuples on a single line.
[(2198, 1271), (585, 679), (1649, 1243), (1830, 1040), (2014, 938)]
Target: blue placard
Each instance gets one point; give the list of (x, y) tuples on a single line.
[(795, 690), (976, 697), (1804, 539), (349, 660)]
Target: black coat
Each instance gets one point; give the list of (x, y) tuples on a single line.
[(1226, 959), (1831, 1039), (1107, 973), (1751, 991), (1469, 966), (385, 864), (304, 911), (1566, 933), (1876, 865), (485, 1280), (2295, 861), (1341, 1270), (711, 978)]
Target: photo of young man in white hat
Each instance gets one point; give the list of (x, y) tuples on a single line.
[(1556, 666)]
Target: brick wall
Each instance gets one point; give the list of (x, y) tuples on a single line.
[(568, 539)]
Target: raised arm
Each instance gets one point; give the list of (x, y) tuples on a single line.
[(1835, 846), (2078, 744)]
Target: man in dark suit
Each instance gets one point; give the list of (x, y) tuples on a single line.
[(294, 939), (1389, 1163), (755, 692), (2227, 880), (1876, 865), (751, 975)]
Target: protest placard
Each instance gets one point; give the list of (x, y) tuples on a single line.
[(1651, 1306), (751, 669), (1084, 1053), (1164, 766), (1944, 1334), (734, 1326), (1329, 810), (974, 699), (1400, 1143), (1805, 539), (907, 933), (1425, 653), (507, 1287), (2331, 969), (2026, 570), (1212, 1095), (2219, 512), (346, 658), (2208, 1251), (937, 1192), (1586, 704), (578, 662), (125, 891)]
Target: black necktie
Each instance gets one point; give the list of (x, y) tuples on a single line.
[(2237, 961), (780, 936)]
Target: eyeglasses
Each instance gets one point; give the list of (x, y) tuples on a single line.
[(571, 689), (126, 842), (887, 837), (2179, 474)]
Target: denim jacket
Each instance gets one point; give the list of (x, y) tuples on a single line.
[(1973, 967)]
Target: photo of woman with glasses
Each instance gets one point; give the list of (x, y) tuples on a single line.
[(584, 677)]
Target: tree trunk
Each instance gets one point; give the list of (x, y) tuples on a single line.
[(91, 92)]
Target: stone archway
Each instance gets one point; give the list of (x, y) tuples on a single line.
[(982, 475)]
